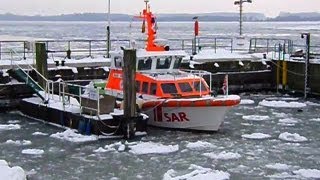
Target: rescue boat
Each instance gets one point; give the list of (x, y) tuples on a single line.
[(172, 98)]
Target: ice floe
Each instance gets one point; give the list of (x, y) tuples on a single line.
[(278, 166), (152, 148), (199, 145), (18, 142), (256, 136), (282, 104), (13, 121), (32, 151), (288, 121), (280, 115), (197, 173), (292, 137), (223, 155), (312, 103), (308, 173), (246, 101), (72, 136), (9, 126), (315, 119), (282, 99), (11, 173), (101, 150), (255, 118), (39, 134)]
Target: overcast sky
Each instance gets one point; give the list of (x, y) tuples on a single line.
[(52, 7)]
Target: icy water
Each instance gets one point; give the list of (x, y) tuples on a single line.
[(122, 30), (243, 158)]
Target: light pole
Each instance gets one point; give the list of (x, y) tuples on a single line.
[(240, 2), (108, 31), (306, 79)]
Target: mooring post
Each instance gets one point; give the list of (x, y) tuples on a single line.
[(278, 67), (306, 76), (41, 63), (284, 69), (129, 91)]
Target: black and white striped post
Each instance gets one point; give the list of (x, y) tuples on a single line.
[(307, 61)]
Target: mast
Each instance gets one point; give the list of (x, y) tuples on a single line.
[(148, 16)]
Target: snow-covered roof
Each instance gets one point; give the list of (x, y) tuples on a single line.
[(144, 53)]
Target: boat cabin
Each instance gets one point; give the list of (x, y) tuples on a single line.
[(158, 76)]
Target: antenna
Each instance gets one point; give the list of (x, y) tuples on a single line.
[(240, 2)]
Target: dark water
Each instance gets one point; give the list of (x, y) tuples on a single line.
[(66, 160)]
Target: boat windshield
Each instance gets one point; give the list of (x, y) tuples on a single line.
[(199, 86), (145, 64), (177, 63), (185, 87), (164, 63), (169, 88)]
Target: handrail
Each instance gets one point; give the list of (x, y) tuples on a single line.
[(49, 90)]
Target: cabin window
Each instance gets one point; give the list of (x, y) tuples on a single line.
[(153, 89), (197, 86), (145, 87), (164, 63), (118, 62), (169, 88), (185, 87), (177, 63), (138, 83), (144, 64)]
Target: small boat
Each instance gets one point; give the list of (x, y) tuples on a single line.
[(172, 98)]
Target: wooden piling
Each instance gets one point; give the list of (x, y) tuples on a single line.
[(129, 91), (41, 63)]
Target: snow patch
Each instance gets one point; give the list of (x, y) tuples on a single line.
[(292, 137), (246, 101), (278, 166), (32, 151), (199, 145), (11, 173), (72, 136), (152, 148), (197, 173), (308, 173), (9, 126), (255, 118), (18, 142), (256, 136), (282, 104), (223, 155)]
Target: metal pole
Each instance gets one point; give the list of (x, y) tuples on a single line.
[(108, 30), (240, 17)]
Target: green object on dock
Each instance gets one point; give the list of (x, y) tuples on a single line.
[(30, 82), (101, 85)]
